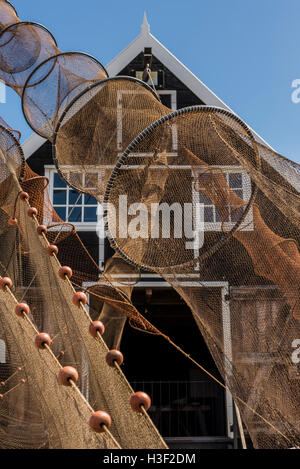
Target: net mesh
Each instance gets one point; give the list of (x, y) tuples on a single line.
[(245, 203), (57, 415), (194, 198)]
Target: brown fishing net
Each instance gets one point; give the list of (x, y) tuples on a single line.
[(193, 197), (30, 415), (58, 415), (98, 126), (212, 205), (8, 15)]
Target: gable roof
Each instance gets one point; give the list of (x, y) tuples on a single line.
[(146, 39)]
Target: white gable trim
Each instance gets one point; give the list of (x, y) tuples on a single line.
[(32, 144)]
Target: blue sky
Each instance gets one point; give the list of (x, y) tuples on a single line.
[(246, 51)]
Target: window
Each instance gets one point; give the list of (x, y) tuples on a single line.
[(168, 98), (240, 183), (78, 209), (154, 77)]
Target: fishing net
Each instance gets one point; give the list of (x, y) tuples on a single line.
[(58, 415), (8, 15), (206, 202), (30, 415), (52, 85), (193, 198), (98, 126)]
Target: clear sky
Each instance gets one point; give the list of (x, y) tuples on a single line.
[(246, 51)]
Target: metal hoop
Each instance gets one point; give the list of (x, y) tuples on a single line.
[(89, 88), (131, 147), (20, 149), (6, 1), (44, 78)]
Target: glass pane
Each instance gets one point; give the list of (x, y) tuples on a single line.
[(75, 178), (89, 200), (165, 99), (239, 193), (235, 180), (61, 212), (218, 218), (59, 197), (75, 214), (73, 196), (237, 214), (90, 214), (58, 182), (204, 200), (91, 180), (208, 214)]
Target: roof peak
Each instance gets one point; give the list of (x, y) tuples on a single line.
[(145, 27)]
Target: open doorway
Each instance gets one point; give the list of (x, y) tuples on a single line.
[(186, 403)]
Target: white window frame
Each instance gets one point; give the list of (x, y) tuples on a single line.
[(173, 94), (120, 93), (50, 170), (247, 224)]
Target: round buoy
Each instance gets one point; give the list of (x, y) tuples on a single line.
[(32, 211), (95, 327), (114, 356), (52, 249), (42, 340), (22, 309), (66, 375), (99, 420), (24, 196), (12, 222), (5, 282), (65, 272), (138, 400), (79, 298), (41, 229)]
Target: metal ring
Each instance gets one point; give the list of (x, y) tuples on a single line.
[(32, 23), (43, 63), (124, 156), (89, 88), (6, 1), (20, 149)]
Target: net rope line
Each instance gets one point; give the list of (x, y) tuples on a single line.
[(142, 329), (100, 338), (80, 395), (82, 307), (62, 225), (202, 368), (32, 326), (84, 310), (147, 419)]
